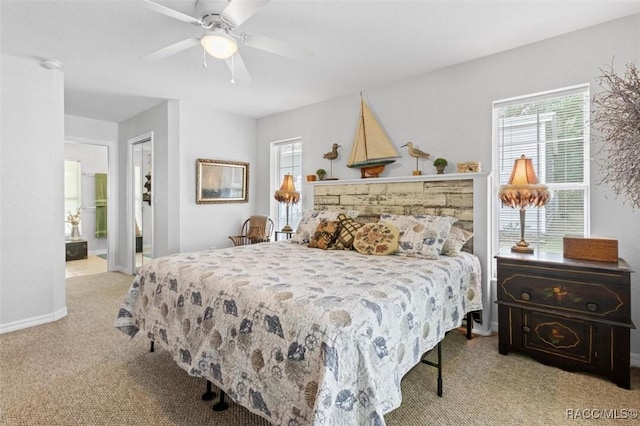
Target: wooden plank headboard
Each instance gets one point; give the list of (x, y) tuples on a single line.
[(438, 198), (465, 196)]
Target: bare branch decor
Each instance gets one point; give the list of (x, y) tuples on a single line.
[(617, 119)]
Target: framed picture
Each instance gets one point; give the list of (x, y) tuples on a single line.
[(221, 181)]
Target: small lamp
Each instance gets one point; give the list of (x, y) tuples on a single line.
[(522, 191), (287, 194)]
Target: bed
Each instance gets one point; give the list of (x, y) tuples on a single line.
[(298, 335)]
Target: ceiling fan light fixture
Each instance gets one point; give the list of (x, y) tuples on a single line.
[(219, 45)]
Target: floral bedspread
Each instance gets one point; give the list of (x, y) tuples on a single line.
[(301, 336)]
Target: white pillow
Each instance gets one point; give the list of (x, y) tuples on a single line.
[(420, 235), (310, 221), (456, 239)]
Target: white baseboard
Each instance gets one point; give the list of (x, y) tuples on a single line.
[(121, 269), (32, 322)]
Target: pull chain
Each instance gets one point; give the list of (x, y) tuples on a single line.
[(233, 81), (204, 58)]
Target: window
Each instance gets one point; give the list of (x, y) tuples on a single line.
[(287, 158), (72, 190), (551, 129)]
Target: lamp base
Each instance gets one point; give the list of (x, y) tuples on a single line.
[(522, 247), (287, 228)]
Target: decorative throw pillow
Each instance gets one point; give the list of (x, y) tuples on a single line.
[(325, 234), (376, 238), (420, 235), (309, 223), (347, 232), (456, 239)]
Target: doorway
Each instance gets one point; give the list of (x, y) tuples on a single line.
[(86, 198), (142, 201)]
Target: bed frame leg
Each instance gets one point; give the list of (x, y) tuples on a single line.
[(209, 394), (438, 365), (220, 405), (439, 369), (152, 349), (469, 324)]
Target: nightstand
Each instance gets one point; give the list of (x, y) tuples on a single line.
[(285, 233), (573, 314), (75, 250)]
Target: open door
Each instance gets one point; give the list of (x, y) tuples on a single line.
[(142, 193)]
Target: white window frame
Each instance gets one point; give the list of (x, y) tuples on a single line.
[(581, 186), (278, 170)]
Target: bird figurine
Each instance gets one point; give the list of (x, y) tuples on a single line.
[(333, 154), (417, 154)]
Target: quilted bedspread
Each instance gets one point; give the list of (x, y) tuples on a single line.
[(301, 336)]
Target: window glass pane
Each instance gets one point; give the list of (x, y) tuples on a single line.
[(289, 161), (552, 131)]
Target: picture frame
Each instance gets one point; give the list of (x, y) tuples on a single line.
[(221, 181)]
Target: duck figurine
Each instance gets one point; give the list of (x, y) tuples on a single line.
[(333, 154)]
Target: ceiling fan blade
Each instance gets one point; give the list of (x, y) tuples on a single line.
[(238, 70), (171, 49), (171, 13), (239, 11), (276, 46)]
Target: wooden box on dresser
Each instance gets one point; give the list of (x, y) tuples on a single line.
[(574, 314)]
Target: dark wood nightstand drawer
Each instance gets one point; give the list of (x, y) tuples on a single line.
[(572, 339), (581, 294), (76, 250)]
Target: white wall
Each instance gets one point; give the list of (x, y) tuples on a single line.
[(32, 280), (162, 121), (183, 132), (209, 134), (448, 114)]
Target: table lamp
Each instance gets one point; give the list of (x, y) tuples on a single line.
[(287, 194), (523, 190)]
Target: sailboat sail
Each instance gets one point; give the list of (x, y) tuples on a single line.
[(371, 147)]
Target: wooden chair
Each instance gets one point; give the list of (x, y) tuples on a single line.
[(256, 229)]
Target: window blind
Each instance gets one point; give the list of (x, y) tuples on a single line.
[(288, 160), (552, 130)]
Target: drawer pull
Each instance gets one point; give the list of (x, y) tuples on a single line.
[(592, 307), (526, 329), (525, 296)]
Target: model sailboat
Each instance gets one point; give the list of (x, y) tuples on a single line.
[(371, 150)]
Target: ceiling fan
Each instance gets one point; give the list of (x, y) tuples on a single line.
[(220, 20)]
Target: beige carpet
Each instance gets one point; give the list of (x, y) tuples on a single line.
[(82, 371)]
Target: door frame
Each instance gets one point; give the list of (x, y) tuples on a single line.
[(112, 195), (131, 217)]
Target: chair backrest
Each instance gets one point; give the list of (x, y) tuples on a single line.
[(256, 229)]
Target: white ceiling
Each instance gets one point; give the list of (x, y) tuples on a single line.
[(358, 45)]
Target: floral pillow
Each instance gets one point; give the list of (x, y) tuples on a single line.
[(376, 238), (325, 234), (456, 239), (347, 233), (309, 223), (420, 235)]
